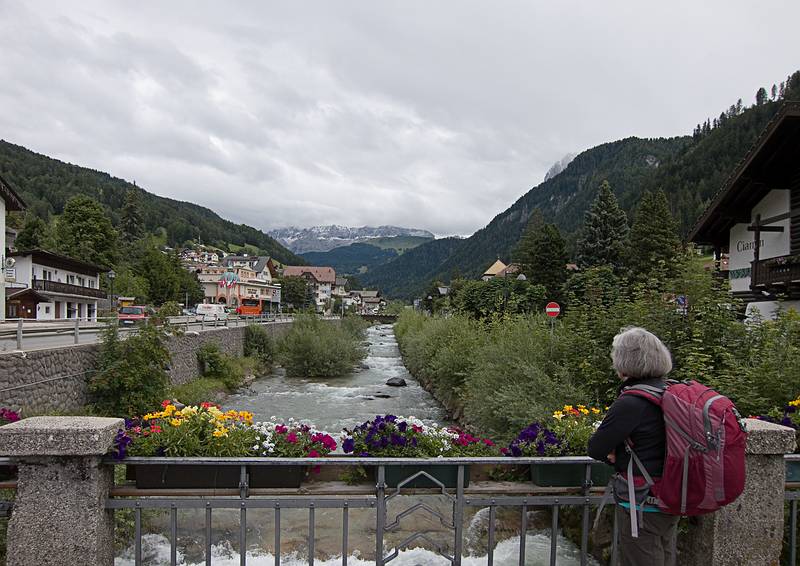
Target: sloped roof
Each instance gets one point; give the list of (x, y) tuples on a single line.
[(763, 168), (321, 274), (341, 281), (495, 268), (13, 200), (44, 257)]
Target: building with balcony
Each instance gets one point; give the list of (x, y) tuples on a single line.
[(322, 281), (9, 201), (754, 219), (48, 286)]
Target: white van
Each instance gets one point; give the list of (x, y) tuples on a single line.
[(210, 311)]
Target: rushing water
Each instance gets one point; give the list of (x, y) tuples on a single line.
[(334, 404)]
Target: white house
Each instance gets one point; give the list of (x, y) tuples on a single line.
[(9, 201), (755, 218), (48, 286), (322, 281)]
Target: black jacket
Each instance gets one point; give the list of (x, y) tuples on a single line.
[(637, 419)]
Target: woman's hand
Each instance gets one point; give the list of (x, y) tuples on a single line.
[(612, 457)]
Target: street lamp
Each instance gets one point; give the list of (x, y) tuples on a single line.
[(111, 276)]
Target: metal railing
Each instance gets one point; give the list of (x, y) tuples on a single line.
[(523, 496), (25, 333)]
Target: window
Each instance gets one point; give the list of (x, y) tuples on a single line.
[(47, 275), (81, 282), (71, 279), (47, 309), (91, 283), (70, 310)]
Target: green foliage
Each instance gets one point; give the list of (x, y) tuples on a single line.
[(131, 225), (317, 348), (84, 231), (499, 295), (258, 344), (200, 390), (604, 232), (170, 308), (355, 258), (35, 234), (166, 279), (131, 374), (47, 184), (129, 284), (544, 261), (214, 364), (654, 244), (294, 291)]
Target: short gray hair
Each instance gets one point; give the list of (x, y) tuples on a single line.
[(639, 353)]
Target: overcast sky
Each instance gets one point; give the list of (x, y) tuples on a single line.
[(434, 115)]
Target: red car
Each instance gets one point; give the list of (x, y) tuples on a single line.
[(130, 315)]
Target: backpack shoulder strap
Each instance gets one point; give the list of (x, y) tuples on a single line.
[(649, 392)]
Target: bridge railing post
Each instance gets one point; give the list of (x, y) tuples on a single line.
[(59, 514)]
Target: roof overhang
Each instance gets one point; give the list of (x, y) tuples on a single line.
[(767, 166), (43, 257), (13, 200)]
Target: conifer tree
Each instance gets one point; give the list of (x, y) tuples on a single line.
[(605, 228), (653, 242), (546, 263), (131, 225), (523, 253)]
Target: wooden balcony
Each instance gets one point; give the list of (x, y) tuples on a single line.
[(67, 289), (776, 273)]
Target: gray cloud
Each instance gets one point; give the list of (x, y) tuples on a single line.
[(431, 115)]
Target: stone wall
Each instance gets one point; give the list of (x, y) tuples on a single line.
[(55, 379)]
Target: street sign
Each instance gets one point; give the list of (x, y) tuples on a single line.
[(552, 310)]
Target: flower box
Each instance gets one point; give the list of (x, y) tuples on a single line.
[(447, 475), (276, 476), (793, 471), (179, 476), (569, 475), (194, 476), (8, 473)]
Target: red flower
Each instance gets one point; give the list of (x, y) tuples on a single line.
[(291, 437), (155, 429), (488, 442), (416, 428), (313, 454), (165, 402), (281, 429)]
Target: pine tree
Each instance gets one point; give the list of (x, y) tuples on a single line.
[(35, 234), (761, 96), (653, 242), (523, 253), (774, 92), (605, 228), (548, 261), (131, 225)]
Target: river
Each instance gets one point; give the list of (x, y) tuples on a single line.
[(334, 404)]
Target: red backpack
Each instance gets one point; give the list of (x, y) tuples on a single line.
[(704, 464)]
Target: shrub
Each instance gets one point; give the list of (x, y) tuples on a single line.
[(316, 348), (198, 390), (259, 344), (215, 364), (131, 375)]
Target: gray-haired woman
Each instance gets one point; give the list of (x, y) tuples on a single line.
[(638, 357)]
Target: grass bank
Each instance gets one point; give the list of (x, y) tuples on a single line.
[(318, 348)]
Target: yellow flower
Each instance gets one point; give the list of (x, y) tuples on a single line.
[(558, 415), (567, 407), (595, 410), (189, 411), (176, 422), (795, 403), (221, 431), (169, 410), (584, 411)]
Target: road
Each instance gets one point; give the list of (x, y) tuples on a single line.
[(37, 335)]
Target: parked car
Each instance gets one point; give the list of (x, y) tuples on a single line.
[(210, 311), (132, 314)]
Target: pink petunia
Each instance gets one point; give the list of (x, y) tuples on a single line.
[(291, 437)]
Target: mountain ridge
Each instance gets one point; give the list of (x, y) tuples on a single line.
[(328, 237)]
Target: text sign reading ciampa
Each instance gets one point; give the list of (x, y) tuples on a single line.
[(552, 309)]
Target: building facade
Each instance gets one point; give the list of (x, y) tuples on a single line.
[(755, 219), (47, 286), (239, 287), (321, 280), (9, 201)]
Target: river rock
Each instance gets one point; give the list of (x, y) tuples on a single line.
[(382, 396), (396, 382), (362, 365)]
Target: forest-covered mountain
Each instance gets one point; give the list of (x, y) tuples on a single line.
[(690, 169), (46, 184)]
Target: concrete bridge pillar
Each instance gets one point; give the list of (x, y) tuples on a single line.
[(749, 531), (59, 514)]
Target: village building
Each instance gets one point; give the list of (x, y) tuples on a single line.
[(367, 302), (244, 289), (493, 271), (46, 286), (321, 280), (754, 219), (10, 201)]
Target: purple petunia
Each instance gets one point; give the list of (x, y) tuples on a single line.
[(348, 445)]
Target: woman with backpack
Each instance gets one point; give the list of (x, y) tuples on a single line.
[(633, 424)]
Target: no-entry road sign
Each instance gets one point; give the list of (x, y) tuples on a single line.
[(552, 309)]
